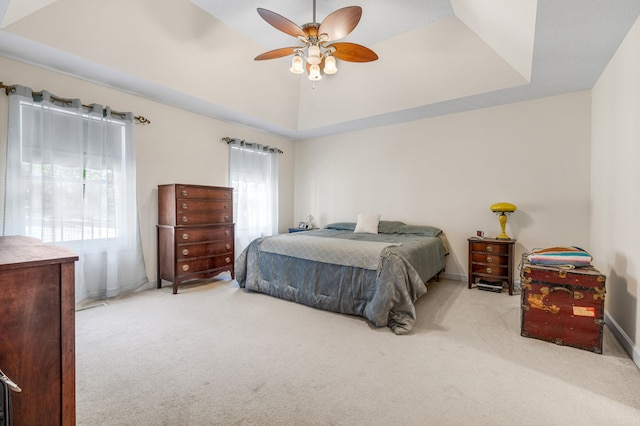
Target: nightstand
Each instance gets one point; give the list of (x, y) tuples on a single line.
[(491, 260), (292, 230)]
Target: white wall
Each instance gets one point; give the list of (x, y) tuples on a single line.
[(615, 183), (177, 147), (447, 171)]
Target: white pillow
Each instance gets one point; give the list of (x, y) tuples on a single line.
[(367, 224)]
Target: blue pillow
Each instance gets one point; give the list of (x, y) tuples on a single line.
[(341, 226), (390, 227), (424, 230)]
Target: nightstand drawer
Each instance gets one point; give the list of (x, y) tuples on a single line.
[(489, 258), (489, 248), (491, 270)]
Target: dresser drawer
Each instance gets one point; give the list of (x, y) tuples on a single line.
[(210, 233), (187, 251), (489, 258), (489, 247), (209, 193), (188, 205), (186, 267), (498, 271), (203, 218)]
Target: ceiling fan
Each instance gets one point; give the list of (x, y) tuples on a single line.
[(319, 55)]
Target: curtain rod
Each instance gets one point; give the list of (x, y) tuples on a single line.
[(229, 140), (141, 119)]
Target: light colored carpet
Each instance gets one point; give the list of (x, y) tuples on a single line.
[(217, 355)]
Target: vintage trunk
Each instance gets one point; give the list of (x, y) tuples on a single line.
[(563, 306)]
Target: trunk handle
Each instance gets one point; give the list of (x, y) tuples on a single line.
[(552, 289)]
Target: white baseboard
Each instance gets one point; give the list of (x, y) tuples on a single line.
[(454, 277), (623, 338)]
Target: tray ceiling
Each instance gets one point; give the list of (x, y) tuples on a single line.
[(436, 57)]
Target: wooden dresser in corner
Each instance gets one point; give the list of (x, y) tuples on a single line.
[(195, 232), (37, 330)]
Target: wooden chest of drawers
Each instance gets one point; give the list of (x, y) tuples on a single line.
[(491, 260), (195, 232)]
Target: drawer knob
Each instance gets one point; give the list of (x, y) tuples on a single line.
[(489, 259), (184, 206), (227, 259), (489, 248), (185, 267), (185, 252), (489, 270), (226, 217), (184, 193), (228, 246), (185, 219), (226, 206), (185, 236), (226, 232)]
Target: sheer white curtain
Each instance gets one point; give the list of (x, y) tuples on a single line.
[(71, 181), (253, 174)]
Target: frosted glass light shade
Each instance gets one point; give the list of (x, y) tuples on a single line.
[(314, 54), (314, 72), (296, 65), (330, 65)]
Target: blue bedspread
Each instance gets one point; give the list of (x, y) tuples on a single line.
[(385, 295)]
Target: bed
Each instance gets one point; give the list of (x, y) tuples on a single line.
[(378, 276)]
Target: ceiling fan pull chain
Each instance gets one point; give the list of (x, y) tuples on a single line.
[(314, 11)]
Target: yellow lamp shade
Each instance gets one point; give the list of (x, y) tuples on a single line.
[(503, 208)]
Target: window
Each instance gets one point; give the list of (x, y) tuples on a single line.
[(253, 173), (46, 180), (71, 181)]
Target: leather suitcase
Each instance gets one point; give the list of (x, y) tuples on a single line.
[(563, 306)]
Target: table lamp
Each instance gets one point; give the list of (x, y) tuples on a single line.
[(503, 209)]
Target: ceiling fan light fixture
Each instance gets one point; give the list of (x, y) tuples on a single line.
[(297, 65), (330, 65), (314, 72), (315, 55)]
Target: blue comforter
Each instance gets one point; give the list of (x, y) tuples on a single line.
[(384, 293)]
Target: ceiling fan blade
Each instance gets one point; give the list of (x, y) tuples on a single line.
[(341, 22), (352, 52), (281, 23), (277, 53)]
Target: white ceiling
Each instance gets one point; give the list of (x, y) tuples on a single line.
[(436, 57)]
